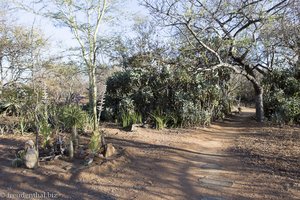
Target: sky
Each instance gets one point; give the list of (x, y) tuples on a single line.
[(61, 38)]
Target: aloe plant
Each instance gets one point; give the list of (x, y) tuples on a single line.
[(160, 121), (130, 118), (73, 118), (45, 131), (95, 142)]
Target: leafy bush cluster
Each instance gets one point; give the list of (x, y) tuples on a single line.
[(37, 113), (164, 97), (282, 97)]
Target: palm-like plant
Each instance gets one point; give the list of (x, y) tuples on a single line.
[(73, 118)]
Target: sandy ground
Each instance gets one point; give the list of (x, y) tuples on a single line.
[(170, 164)]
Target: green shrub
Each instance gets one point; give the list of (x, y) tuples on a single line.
[(46, 131), (185, 99), (56, 117), (172, 121), (73, 115), (130, 118), (282, 97)]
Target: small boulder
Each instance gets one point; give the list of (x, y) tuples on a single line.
[(145, 125), (133, 127), (109, 151), (31, 158), (31, 155)]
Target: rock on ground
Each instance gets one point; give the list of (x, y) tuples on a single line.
[(31, 158), (110, 150)]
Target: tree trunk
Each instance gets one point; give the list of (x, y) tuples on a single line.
[(95, 124), (75, 137), (71, 150), (297, 67), (90, 94), (259, 106), (1, 76), (93, 96)]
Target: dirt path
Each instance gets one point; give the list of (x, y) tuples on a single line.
[(169, 164)]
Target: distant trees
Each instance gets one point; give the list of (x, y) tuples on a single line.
[(63, 81), (212, 41), (228, 34), (284, 39), (20, 48), (158, 83), (84, 19)]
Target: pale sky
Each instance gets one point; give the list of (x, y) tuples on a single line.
[(61, 38)]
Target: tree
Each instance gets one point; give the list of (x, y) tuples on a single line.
[(20, 47), (284, 38), (83, 18), (226, 33), (156, 83), (63, 81)]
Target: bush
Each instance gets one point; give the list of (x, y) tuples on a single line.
[(282, 97), (182, 98), (17, 100)]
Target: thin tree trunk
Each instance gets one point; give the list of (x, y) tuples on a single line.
[(71, 150), (90, 94), (297, 66), (93, 96), (36, 124), (1, 75), (95, 124), (75, 137), (259, 106)]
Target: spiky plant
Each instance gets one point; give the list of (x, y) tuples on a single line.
[(95, 142), (73, 118), (160, 121), (45, 131), (130, 118)]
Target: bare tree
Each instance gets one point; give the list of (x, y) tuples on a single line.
[(84, 19), (20, 47), (228, 30), (284, 38)]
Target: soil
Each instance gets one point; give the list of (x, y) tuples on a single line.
[(234, 159)]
